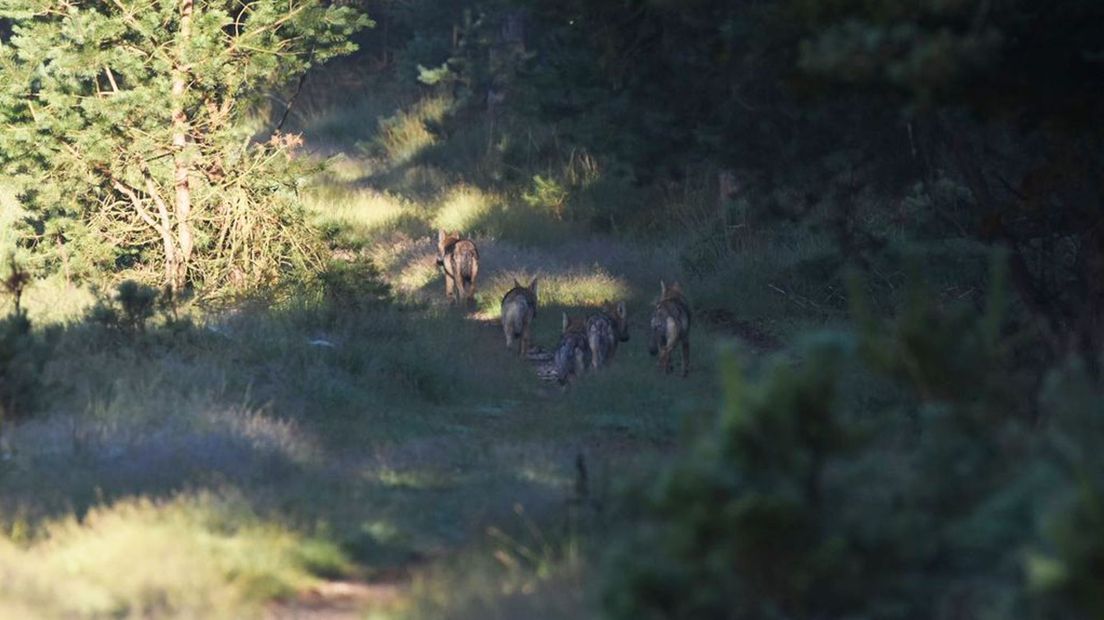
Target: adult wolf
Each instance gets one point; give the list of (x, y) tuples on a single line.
[(571, 355), (605, 329), (671, 327), (519, 306), (459, 259)]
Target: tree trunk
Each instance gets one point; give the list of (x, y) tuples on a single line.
[(181, 163), (162, 223)]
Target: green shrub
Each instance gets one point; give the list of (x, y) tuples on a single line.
[(733, 529), (23, 354), (547, 194), (352, 285), (131, 308), (1066, 567), (815, 493)]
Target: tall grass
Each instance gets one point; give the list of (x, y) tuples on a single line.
[(374, 417), (463, 207), (405, 134), (204, 555), (573, 289)]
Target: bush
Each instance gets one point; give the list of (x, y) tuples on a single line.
[(132, 307), (734, 526), (352, 287), (23, 354), (892, 474)]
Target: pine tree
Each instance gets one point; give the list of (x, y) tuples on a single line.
[(124, 128)]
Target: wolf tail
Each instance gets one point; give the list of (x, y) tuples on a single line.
[(467, 268), (599, 336)]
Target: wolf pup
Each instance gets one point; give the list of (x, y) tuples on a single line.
[(519, 306), (571, 354), (605, 329), (460, 261), (671, 327)]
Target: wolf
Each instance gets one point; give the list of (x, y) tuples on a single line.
[(519, 307), (605, 329), (571, 355), (671, 327), (459, 259)]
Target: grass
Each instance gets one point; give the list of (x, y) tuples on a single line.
[(350, 217), (413, 432), (463, 207), (576, 289), (53, 301), (345, 430), (528, 573), (405, 134), (194, 555)]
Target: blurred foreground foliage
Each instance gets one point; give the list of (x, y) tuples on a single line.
[(903, 471)]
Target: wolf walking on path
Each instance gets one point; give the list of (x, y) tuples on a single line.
[(604, 330), (459, 259), (671, 327), (519, 307), (571, 355)]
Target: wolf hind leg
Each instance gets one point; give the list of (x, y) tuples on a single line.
[(450, 285), (523, 350), (597, 355), (469, 288), (665, 359)]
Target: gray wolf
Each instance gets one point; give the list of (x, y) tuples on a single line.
[(519, 306), (459, 259), (671, 327), (605, 329), (571, 355)]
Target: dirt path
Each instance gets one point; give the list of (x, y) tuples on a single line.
[(341, 600), (406, 265)]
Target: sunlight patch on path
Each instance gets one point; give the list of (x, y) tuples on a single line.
[(577, 287), (463, 207), (343, 600), (360, 213)]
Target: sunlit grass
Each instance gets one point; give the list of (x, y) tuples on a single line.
[(405, 134), (572, 289), (343, 169), (463, 207), (52, 300), (358, 215), (194, 556), (534, 573), (547, 476), (408, 478), (416, 276)]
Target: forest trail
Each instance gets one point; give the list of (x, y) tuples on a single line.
[(521, 434), (575, 272), (340, 600)]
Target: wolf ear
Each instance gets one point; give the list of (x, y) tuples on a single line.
[(621, 309), (440, 235), (662, 289), (565, 321), (533, 286)]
